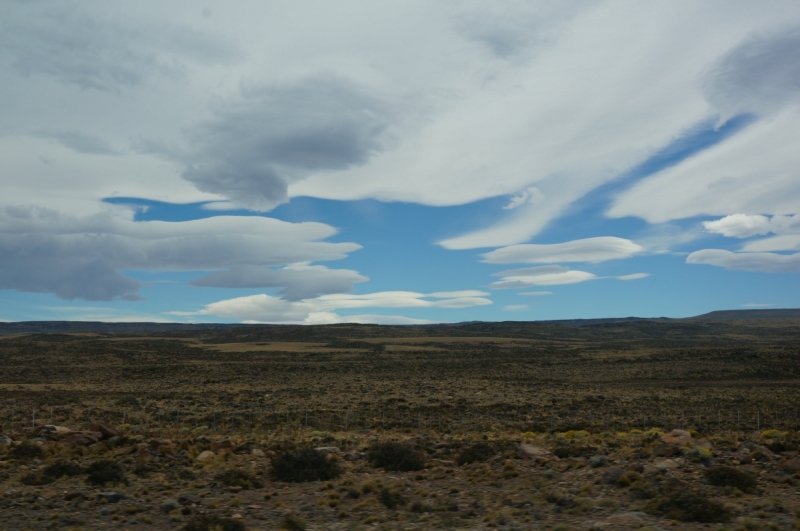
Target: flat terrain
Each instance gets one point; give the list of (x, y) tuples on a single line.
[(440, 389)]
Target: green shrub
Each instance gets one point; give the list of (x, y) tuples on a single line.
[(60, 469), (27, 450), (724, 476), (391, 499), (102, 472), (293, 523), (306, 464), (475, 453), (687, 506), (395, 457), (238, 478), (214, 523), (773, 434)]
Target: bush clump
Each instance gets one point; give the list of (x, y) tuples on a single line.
[(61, 469), (395, 457), (305, 464), (724, 476), (574, 450), (27, 450), (475, 453), (293, 523), (214, 523), (36, 479), (390, 499), (687, 506), (238, 478), (106, 471)]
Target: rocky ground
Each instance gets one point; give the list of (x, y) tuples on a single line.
[(130, 478)]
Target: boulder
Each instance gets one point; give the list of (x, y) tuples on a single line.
[(667, 450), (679, 437), (257, 452), (5, 440), (167, 506), (54, 431), (107, 431), (666, 464), (189, 499), (791, 465), (223, 445), (535, 453), (205, 456), (111, 496), (81, 438)]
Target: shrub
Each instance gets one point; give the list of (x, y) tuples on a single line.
[(573, 450), (597, 461), (390, 499), (723, 476), (773, 434), (395, 457), (102, 472), (293, 523), (238, 478), (474, 453), (214, 523), (60, 469), (36, 479), (687, 506), (702, 455), (306, 464), (27, 450)]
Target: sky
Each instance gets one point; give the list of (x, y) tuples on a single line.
[(397, 162)]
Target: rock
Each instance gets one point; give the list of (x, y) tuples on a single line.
[(5, 440), (80, 438), (743, 457), (679, 437), (223, 445), (257, 452), (650, 470), (168, 506), (234, 490), (189, 499), (791, 465), (540, 455), (205, 456), (328, 450), (54, 431), (665, 464), (74, 495), (106, 430), (633, 519), (667, 450), (111, 496)]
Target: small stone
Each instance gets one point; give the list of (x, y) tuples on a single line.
[(168, 506), (223, 445), (205, 456), (74, 495), (257, 452), (328, 449), (237, 516), (5, 440), (233, 489)]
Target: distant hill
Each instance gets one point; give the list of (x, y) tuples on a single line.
[(77, 327), (746, 315)]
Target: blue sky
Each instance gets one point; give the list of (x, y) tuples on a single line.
[(398, 163)]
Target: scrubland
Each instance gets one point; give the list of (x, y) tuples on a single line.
[(486, 425)]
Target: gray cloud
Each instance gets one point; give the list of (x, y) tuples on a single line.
[(101, 53), (760, 75), (297, 283), (81, 143), (255, 146), (73, 257), (768, 262)]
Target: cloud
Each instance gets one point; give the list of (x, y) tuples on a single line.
[(786, 242), (761, 75), (270, 136), (297, 281), (268, 309), (597, 249), (80, 142), (769, 262), (535, 293), (102, 50), (515, 307), (539, 276), (530, 195), (73, 257), (633, 276), (739, 225)]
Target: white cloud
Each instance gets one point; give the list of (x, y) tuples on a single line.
[(739, 225), (535, 293), (267, 309), (47, 251), (769, 262), (597, 249), (786, 242), (539, 276), (633, 276)]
